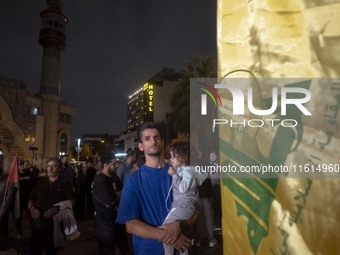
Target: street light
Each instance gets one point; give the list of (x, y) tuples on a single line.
[(78, 148)]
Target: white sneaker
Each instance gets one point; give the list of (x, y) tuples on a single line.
[(212, 243)]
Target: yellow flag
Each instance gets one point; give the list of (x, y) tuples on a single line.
[(274, 216)]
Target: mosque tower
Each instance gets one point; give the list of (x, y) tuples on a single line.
[(53, 41)]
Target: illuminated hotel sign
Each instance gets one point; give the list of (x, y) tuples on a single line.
[(149, 91), (149, 101)]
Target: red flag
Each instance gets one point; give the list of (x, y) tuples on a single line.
[(13, 177), (12, 185)]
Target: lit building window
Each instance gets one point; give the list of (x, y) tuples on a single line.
[(34, 111)]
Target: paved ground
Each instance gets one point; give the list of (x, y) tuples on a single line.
[(86, 244)]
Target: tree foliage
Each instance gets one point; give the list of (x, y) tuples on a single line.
[(199, 67)]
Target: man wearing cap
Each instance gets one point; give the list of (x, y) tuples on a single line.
[(105, 199)]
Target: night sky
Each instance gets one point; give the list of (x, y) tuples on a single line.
[(113, 47)]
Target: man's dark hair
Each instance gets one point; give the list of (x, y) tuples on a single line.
[(144, 126), (63, 156), (107, 157), (56, 160), (130, 154), (22, 162)]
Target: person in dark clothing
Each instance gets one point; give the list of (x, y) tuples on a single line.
[(27, 180), (5, 243), (124, 169), (215, 181), (105, 199), (89, 177), (126, 238), (117, 183), (49, 191), (80, 192), (68, 172), (206, 215)]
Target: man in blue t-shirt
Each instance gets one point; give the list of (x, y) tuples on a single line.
[(146, 199)]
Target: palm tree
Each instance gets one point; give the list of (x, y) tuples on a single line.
[(199, 67)]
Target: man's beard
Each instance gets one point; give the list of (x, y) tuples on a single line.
[(154, 152), (157, 153)]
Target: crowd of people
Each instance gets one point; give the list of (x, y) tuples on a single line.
[(145, 205)]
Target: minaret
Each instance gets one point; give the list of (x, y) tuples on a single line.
[(52, 39)]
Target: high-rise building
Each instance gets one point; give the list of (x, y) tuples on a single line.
[(149, 103)]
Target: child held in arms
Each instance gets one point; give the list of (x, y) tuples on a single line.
[(184, 186)]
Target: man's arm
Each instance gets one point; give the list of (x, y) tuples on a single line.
[(167, 234), (35, 212), (142, 229), (173, 228)]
